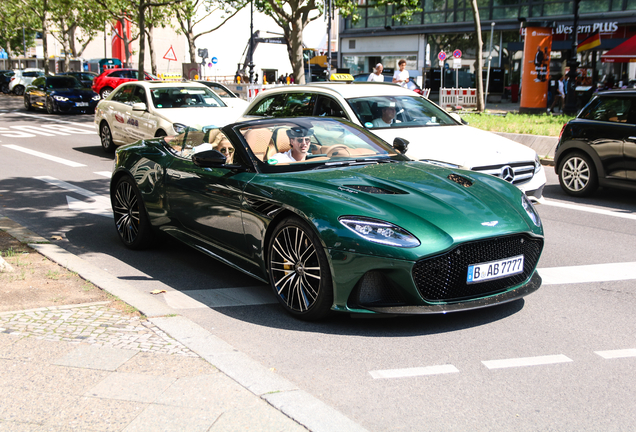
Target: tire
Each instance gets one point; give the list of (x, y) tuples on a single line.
[(106, 138), (103, 93), (18, 90), (27, 103), (131, 219), (577, 175), (50, 106), (299, 271)]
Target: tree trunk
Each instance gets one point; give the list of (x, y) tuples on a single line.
[(151, 48), (479, 83), (295, 44), (190, 37), (45, 33), (71, 40), (67, 47), (142, 39)]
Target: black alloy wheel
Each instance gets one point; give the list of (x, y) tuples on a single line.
[(50, 106), (106, 138), (130, 215), (18, 90), (27, 103), (299, 272), (577, 175), (105, 92)]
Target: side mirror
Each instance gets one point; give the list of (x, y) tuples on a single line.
[(139, 106), (458, 118), (400, 144), (208, 159)]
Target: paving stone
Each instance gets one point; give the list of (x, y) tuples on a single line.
[(97, 415), (131, 387), (94, 357), (63, 380), (32, 406), (159, 418)]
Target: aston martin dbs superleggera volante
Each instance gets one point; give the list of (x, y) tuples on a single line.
[(334, 218)]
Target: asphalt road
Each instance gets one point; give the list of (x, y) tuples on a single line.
[(561, 359)]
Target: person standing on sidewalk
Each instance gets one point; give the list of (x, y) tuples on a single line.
[(559, 97), (401, 76), (376, 75)]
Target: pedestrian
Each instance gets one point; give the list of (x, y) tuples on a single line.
[(376, 75), (291, 78), (559, 97), (256, 79), (401, 76)]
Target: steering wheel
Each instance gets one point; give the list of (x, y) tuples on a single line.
[(336, 148)]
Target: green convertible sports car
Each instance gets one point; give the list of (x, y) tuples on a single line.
[(334, 218)]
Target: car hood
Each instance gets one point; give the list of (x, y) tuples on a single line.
[(418, 197), (463, 146), (199, 117), (66, 92)]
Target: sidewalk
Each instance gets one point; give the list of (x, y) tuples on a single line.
[(88, 367)]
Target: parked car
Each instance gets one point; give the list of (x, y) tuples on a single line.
[(229, 97), (598, 147), (354, 227), (434, 135), (22, 78), (86, 78), (5, 79), (105, 83), (146, 109), (60, 94)]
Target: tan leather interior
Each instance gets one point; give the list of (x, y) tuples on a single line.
[(258, 140)]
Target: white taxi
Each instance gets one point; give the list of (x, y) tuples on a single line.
[(147, 109), (390, 112)]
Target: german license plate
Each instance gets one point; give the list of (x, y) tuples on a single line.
[(81, 103), (495, 269)]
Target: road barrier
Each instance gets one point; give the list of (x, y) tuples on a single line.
[(457, 97)]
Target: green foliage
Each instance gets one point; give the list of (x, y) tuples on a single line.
[(545, 124), (14, 17)]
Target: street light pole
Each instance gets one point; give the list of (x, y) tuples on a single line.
[(573, 64), (251, 63)]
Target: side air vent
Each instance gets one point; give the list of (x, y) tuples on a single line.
[(371, 189), (460, 180)]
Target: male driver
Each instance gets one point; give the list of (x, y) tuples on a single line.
[(388, 115), (299, 141), (376, 75)]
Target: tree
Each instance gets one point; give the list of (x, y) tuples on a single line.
[(14, 18), (294, 15), (188, 16), (40, 8), (479, 83)]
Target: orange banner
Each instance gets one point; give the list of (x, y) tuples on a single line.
[(536, 69)]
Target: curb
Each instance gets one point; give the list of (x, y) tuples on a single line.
[(277, 391)]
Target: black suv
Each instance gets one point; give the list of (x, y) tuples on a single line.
[(598, 147)]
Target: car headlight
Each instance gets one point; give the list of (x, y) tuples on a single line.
[(529, 208), (96, 97), (178, 127), (537, 164), (378, 231), (60, 98)]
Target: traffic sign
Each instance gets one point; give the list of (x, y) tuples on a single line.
[(457, 54), (457, 63), (170, 55), (215, 60), (441, 56)]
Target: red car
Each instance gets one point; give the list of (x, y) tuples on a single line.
[(105, 83)]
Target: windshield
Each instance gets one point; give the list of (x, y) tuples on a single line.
[(184, 97), (309, 141), (377, 112), (61, 82)]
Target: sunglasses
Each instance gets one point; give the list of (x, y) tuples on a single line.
[(306, 139), (227, 150)]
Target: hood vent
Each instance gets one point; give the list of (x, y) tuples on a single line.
[(371, 189), (460, 180)]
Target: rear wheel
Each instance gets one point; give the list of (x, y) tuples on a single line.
[(19, 90), (299, 272), (131, 219), (106, 138), (577, 175), (27, 103), (105, 92)]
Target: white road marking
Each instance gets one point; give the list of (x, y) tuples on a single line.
[(38, 130), (99, 206), (223, 297), (614, 213), (588, 273), (617, 353), (48, 118), (106, 174), (412, 372), (526, 361), (44, 155)]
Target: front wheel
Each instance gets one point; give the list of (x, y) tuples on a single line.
[(18, 90), (577, 175), (106, 138), (27, 103), (50, 106), (131, 219), (299, 272)]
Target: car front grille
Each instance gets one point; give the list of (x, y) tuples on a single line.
[(443, 277), (515, 173)]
